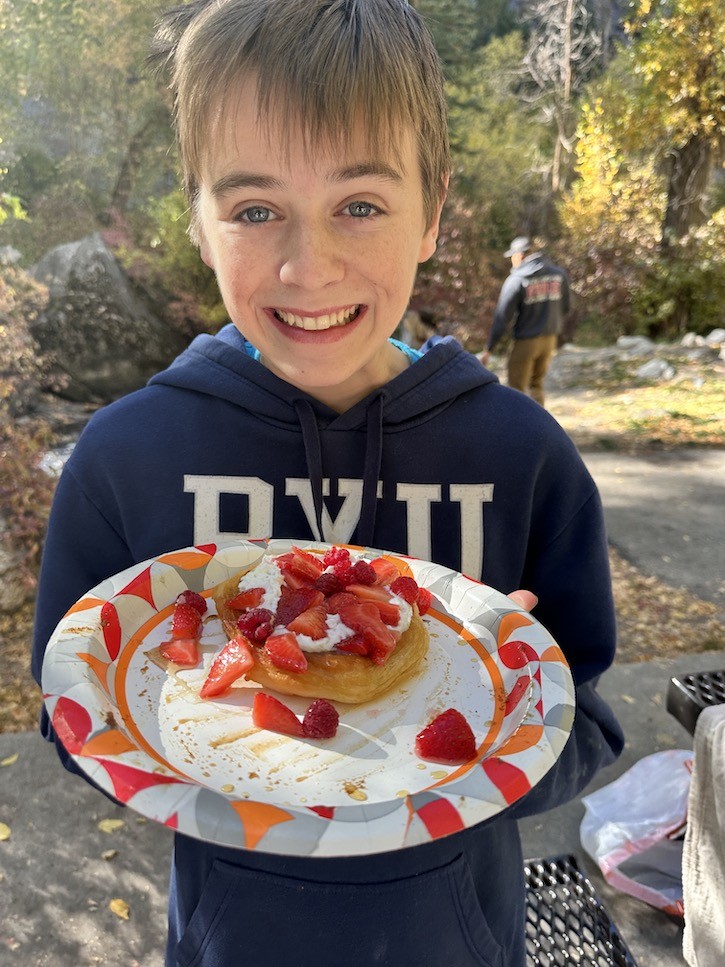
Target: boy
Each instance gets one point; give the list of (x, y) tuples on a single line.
[(314, 152)]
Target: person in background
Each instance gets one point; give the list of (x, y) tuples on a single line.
[(535, 300)]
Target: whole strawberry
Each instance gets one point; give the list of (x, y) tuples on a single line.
[(448, 739)]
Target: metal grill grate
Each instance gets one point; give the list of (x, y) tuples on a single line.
[(688, 695), (566, 924)]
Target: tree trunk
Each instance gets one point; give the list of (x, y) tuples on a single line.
[(131, 164), (688, 172)]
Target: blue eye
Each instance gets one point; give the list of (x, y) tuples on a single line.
[(362, 209), (255, 216)]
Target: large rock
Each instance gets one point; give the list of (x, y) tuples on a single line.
[(100, 330)]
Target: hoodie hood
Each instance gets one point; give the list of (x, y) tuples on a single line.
[(223, 366), (530, 266)]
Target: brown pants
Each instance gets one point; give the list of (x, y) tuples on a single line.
[(528, 363)]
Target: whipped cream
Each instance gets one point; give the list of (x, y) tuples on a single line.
[(265, 575)]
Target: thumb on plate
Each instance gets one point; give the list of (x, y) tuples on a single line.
[(527, 599)]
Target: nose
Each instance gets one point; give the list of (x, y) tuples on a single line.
[(311, 257)]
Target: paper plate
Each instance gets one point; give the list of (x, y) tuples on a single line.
[(202, 767)]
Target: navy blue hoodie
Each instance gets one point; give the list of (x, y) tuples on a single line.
[(442, 463), (535, 297)]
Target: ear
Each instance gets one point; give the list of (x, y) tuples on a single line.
[(430, 238), (204, 248)]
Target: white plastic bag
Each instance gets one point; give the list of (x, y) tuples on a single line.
[(633, 828)]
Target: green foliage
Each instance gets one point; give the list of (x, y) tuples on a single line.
[(684, 289), (77, 105), (168, 262)]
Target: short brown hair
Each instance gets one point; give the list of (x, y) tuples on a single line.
[(321, 64)]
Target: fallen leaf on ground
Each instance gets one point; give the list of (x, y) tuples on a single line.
[(4, 832), (109, 854), (120, 908), (110, 825), (10, 760)]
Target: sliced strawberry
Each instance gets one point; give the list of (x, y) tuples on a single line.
[(269, 713), (321, 720), (306, 565), (448, 738), (424, 600), (182, 651), (380, 597), (385, 570), (329, 583), (337, 601), (294, 601), (364, 618), (231, 663), (297, 583), (311, 622), (356, 645), (194, 599), (186, 622), (406, 588), (285, 652), (251, 598)]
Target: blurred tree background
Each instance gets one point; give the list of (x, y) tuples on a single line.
[(595, 126)]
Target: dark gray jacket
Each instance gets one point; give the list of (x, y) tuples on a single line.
[(535, 297)]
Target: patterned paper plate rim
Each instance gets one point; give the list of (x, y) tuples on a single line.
[(203, 769)]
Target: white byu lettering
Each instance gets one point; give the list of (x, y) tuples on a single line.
[(208, 490), (418, 499), (341, 529), (472, 497)]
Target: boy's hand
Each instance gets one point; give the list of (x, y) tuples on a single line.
[(527, 599)]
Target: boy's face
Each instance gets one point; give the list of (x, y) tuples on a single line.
[(315, 257)]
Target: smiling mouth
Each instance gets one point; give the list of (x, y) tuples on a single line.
[(314, 323)]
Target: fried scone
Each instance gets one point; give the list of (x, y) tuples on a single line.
[(331, 627)]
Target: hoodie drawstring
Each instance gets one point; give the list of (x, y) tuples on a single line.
[(371, 471), (371, 465), (313, 455)]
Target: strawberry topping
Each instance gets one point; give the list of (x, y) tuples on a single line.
[(269, 713), (285, 652), (424, 600), (251, 598), (312, 623), (448, 739), (182, 651), (295, 601), (186, 622), (231, 663)]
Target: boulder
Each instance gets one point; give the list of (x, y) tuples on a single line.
[(635, 345), (656, 369), (99, 329)]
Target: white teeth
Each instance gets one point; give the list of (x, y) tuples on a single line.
[(311, 323)]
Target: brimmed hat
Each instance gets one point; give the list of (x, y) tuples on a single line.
[(520, 244)]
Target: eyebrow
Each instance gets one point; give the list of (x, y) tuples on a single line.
[(247, 179)]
